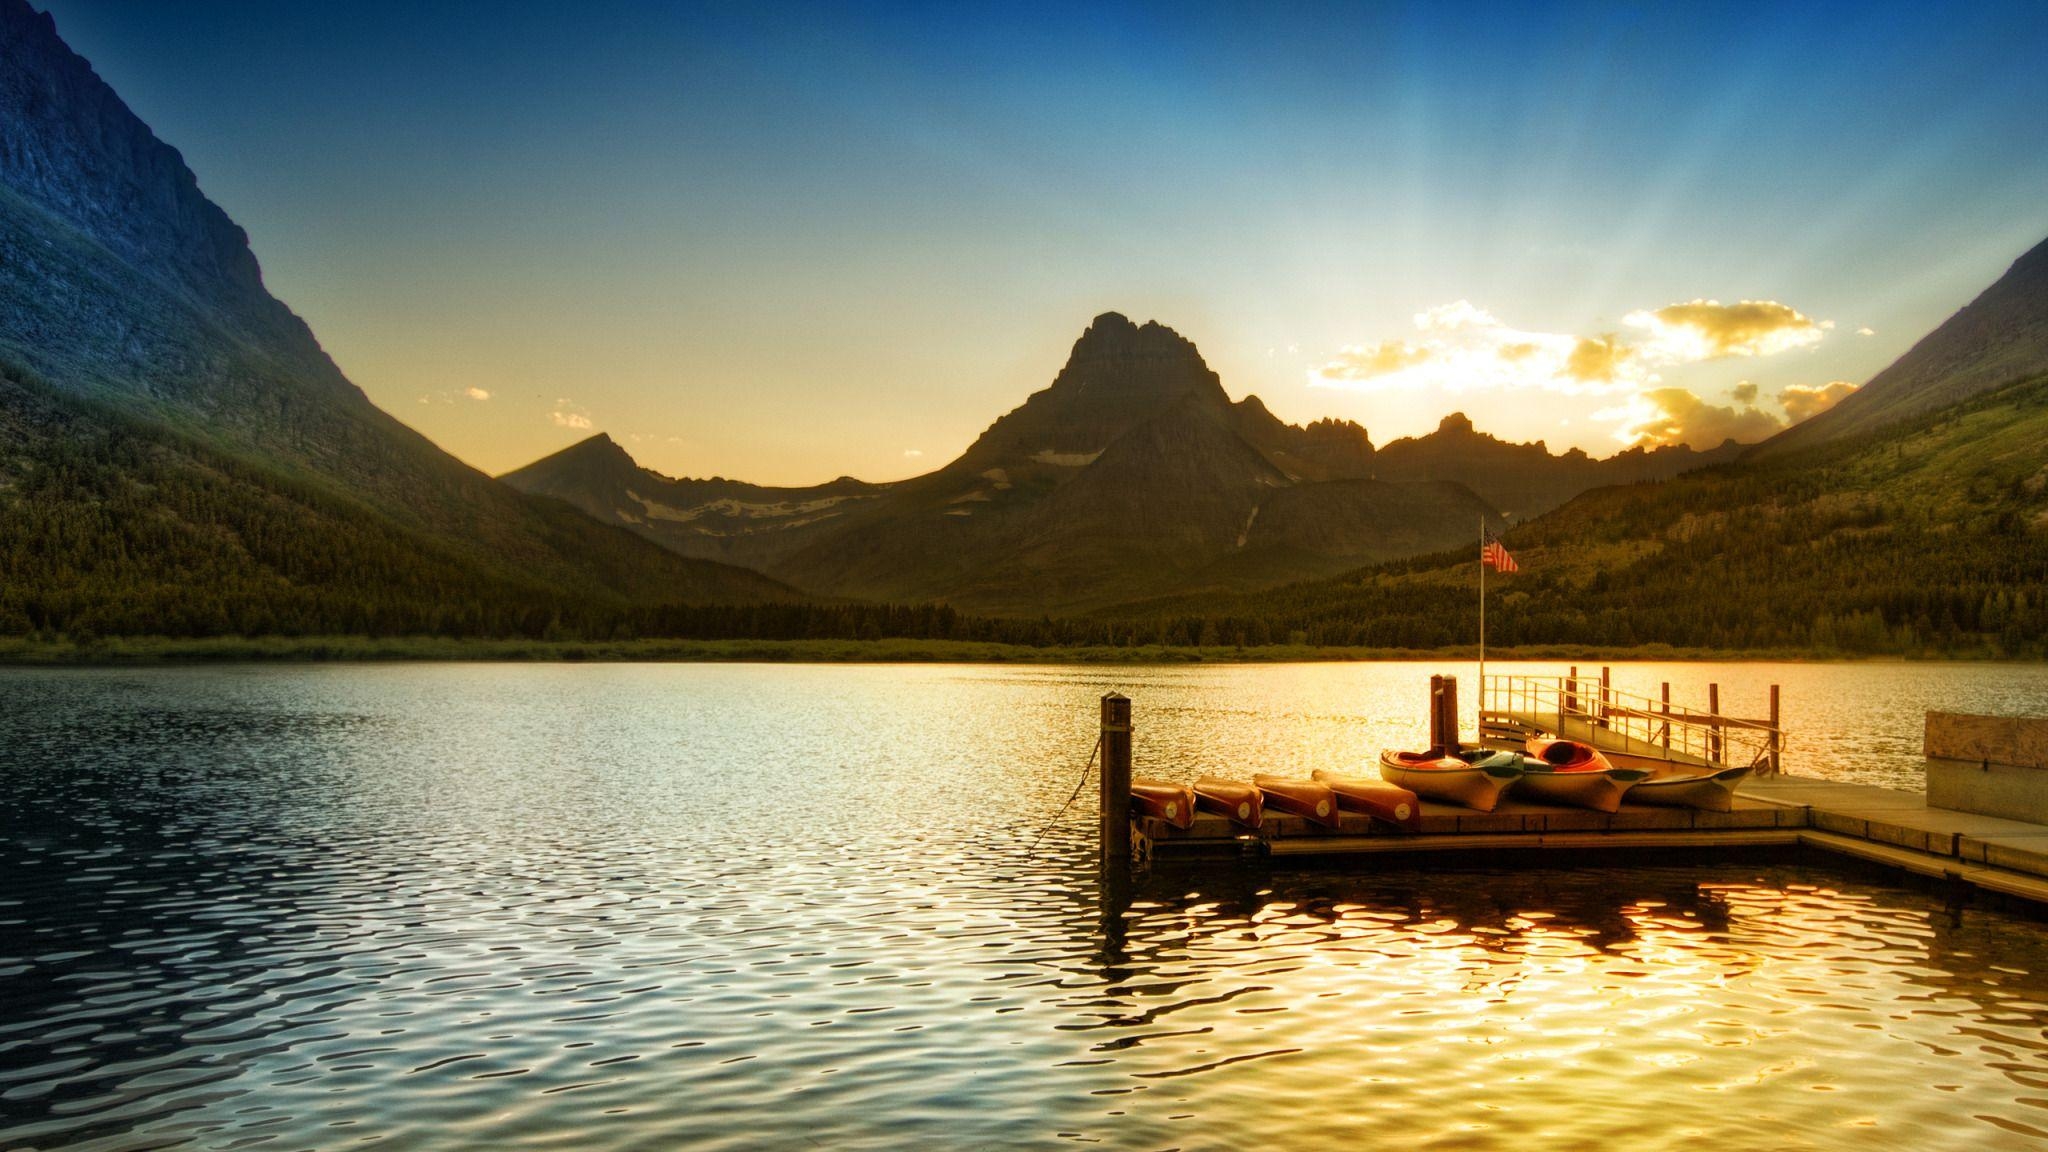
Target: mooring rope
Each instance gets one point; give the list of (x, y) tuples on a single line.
[(1078, 785)]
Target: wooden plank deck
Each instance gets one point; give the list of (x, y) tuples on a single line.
[(1880, 825)]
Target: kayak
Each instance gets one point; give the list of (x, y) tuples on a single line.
[(1243, 803), (1567, 755), (1475, 784), (1375, 798), (1600, 789), (1173, 803), (1309, 799), (1683, 785)]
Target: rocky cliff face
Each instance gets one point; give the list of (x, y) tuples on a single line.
[(1999, 338), (129, 299), (69, 146)]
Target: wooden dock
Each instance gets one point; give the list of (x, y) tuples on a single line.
[(1898, 830)]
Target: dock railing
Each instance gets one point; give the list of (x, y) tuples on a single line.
[(1511, 708)]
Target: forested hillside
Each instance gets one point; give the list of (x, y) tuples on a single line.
[(1930, 537)]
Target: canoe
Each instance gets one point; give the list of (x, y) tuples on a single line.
[(1567, 755), (1477, 786), (1376, 798), (1683, 786), (1243, 803), (1173, 803), (1309, 799), (1600, 789)]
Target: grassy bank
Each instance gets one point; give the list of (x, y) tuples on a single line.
[(160, 650)]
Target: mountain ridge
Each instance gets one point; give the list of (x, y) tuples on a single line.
[(1133, 473), (133, 316), (1999, 337)]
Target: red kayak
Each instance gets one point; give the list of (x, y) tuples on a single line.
[(1567, 755), (1305, 798), (1376, 798), (1173, 803), (1243, 803)]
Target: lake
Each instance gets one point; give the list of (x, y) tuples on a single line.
[(748, 906)]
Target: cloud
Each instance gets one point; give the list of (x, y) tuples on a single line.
[(475, 393), (912, 453), (570, 420), (1866, 330), (1460, 347), (1365, 361), (1805, 401), (1663, 416), (1596, 358), (1709, 329), (1744, 392)]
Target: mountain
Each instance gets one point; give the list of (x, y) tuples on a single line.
[(1132, 475), (145, 368), (1525, 480), (1929, 535), (1999, 337)]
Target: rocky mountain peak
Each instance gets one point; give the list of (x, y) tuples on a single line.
[(69, 143), (1113, 337)]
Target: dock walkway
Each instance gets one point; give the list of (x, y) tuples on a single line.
[(1881, 825)]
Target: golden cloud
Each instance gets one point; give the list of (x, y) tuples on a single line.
[(1663, 416), (1805, 401), (1709, 329), (1459, 347), (574, 420), (475, 393), (1596, 358), (1744, 392), (1365, 361)]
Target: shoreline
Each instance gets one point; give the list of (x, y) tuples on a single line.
[(139, 651)]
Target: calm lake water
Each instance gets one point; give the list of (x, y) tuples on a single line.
[(631, 906)]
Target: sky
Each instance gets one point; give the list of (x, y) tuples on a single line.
[(786, 244)]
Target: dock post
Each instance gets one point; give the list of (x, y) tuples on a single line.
[(1606, 679), (1436, 715), (1667, 716), (1570, 699), (1453, 740), (1116, 784), (1714, 723), (1777, 736)]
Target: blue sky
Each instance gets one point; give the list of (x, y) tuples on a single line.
[(790, 243)]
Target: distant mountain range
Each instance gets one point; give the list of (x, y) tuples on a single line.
[(1132, 476), (178, 455), (176, 448)]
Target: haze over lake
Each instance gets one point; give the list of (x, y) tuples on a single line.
[(744, 906)]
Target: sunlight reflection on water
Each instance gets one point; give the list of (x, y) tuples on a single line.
[(745, 906)]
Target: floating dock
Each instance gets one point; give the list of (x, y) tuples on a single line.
[(1899, 830)]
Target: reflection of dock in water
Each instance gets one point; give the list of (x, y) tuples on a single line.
[(2000, 846)]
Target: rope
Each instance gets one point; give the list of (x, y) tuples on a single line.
[(1078, 785)]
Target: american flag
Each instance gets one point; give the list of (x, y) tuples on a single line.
[(1494, 556)]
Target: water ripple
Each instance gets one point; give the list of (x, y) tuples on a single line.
[(623, 907)]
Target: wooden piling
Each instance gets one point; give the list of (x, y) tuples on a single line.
[(1714, 724), (1452, 737), (1571, 697), (1436, 715), (1606, 686), (1116, 783), (1667, 716), (1777, 735)]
